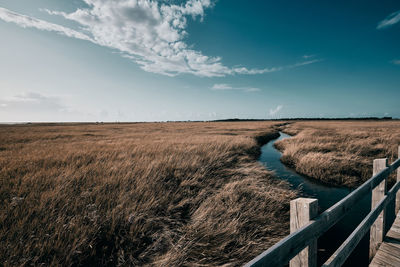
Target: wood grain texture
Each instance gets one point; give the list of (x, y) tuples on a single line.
[(302, 210), (282, 252), (339, 257), (389, 252), (398, 193), (378, 193)]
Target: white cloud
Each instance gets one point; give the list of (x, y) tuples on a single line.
[(242, 70), (396, 61), (29, 22), (252, 89), (150, 33), (273, 112), (30, 106), (308, 56), (224, 87), (221, 86), (303, 63), (389, 20), (38, 107), (33, 100)]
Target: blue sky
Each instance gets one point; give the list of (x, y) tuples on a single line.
[(142, 60)]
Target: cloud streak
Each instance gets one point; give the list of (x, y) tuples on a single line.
[(32, 102), (38, 107), (227, 87), (396, 62), (150, 33), (304, 63), (389, 20), (29, 22), (274, 111), (308, 56)]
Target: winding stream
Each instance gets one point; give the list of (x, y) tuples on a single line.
[(327, 196)]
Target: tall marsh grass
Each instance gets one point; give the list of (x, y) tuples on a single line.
[(164, 194), (340, 152)]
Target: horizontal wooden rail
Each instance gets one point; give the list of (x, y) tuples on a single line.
[(344, 251), (283, 251), (394, 165)]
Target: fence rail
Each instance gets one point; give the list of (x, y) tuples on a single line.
[(306, 227)]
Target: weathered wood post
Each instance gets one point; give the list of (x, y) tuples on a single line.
[(302, 210), (398, 192), (377, 232)]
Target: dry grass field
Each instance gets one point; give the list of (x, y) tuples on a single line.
[(339, 152), (159, 194)]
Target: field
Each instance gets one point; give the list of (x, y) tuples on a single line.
[(340, 152), (164, 194)]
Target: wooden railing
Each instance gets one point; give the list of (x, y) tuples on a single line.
[(306, 226)]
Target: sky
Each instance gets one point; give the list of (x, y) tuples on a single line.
[(175, 60)]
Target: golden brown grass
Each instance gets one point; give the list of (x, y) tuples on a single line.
[(163, 194), (339, 152)]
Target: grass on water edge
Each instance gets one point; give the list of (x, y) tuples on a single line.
[(339, 152), (164, 194)]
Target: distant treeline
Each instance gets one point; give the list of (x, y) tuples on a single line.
[(312, 119), (5, 124)]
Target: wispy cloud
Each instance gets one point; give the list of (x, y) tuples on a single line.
[(274, 111), (150, 33), (29, 97), (31, 102), (275, 69), (396, 61), (299, 64), (308, 56), (226, 87), (389, 20), (34, 106), (29, 22), (242, 70), (251, 89), (221, 86)]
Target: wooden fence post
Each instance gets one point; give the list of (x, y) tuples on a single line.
[(302, 210), (398, 192), (377, 231)]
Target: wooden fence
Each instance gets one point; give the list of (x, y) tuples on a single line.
[(306, 226)]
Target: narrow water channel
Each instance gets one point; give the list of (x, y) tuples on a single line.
[(327, 196)]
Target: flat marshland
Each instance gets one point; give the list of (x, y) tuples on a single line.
[(340, 152), (164, 194)]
